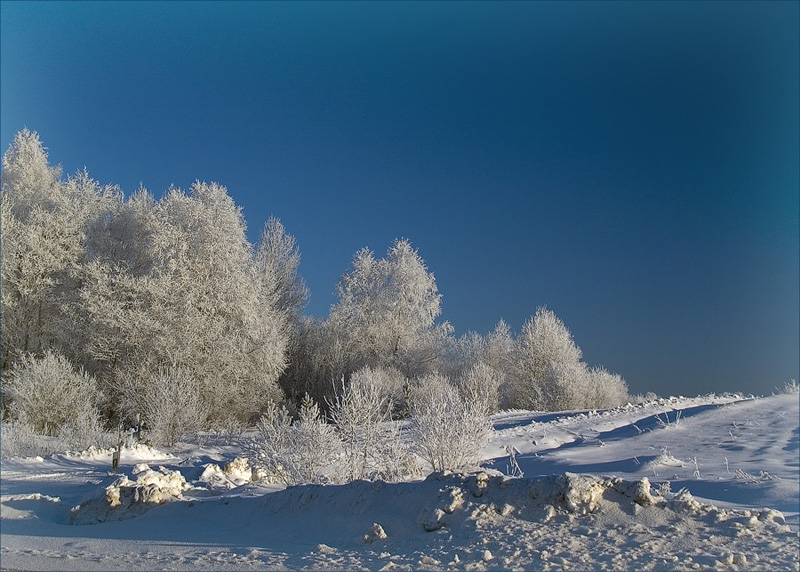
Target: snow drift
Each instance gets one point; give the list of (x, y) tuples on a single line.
[(606, 490), (126, 499)]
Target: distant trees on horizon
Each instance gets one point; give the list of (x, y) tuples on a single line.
[(162, 311)]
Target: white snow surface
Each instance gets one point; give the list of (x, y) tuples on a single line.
[(705, 483)]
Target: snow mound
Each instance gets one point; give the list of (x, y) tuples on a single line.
[(11, 512), (125, 499), (140, 468), (563, 521), (138, 452), (460, 502), (234, 474)]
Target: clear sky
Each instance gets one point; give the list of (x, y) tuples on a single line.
[(631, 165)]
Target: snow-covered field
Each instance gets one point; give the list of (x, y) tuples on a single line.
[(684, 483)]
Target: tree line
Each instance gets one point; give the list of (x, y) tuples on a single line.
[(123, 309)]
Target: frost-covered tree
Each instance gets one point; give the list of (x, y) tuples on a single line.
[(43, 225), (28, 179), (222, 326), (480, 365), (174, 282), (387, 310), (481, 386), (118, 294), (461, 354), (549, 374), (277, 258)]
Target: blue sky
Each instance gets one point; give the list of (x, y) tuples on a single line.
[(631, 165)]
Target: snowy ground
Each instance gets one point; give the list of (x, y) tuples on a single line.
[(705, 483)]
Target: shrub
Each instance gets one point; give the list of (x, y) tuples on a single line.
[(448, 430), (172, 408), (48, 397), (372, 444), (605, 389), (389, 384), (304, 451)]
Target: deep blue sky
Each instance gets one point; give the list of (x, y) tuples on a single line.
[(631, 165)]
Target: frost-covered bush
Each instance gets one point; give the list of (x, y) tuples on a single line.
[(548, 362), (640, 398), (371, 441), (17, 440), (49, 397), (304, 451), (548, 373), (605, 390), (448, 430), (170, 405)]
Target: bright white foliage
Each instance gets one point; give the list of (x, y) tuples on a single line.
[(49, 397), (387, 310), (306, 451), (43, 226), (480, 385), (390, 384), (174, 282), (548, 362), (549, 374), (126, 287), (449, 431), (372, 444), (169, 400), (277, 259), (604, 389)]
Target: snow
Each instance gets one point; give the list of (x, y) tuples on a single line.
[(706, 483)]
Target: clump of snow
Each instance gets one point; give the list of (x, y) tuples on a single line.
[(639, 491), (239, 471), (234, 474), (375, 533), (139, 452), (125, 499), (140, 468), (433, 517)]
